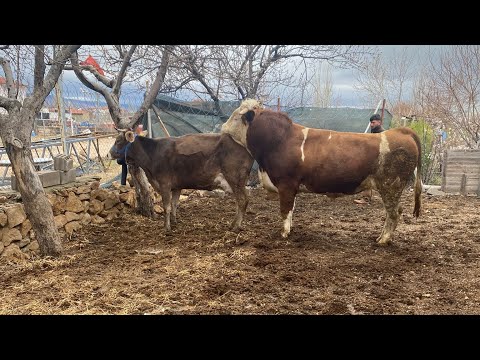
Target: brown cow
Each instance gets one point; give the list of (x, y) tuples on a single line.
[(292, 157), (195, 161)]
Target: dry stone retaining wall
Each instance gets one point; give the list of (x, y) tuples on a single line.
[(74, 206)]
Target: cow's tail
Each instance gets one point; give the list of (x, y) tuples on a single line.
[(418, 177)]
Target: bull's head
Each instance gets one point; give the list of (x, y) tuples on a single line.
[(236, 126)]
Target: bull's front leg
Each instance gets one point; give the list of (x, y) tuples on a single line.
[(287, 205), (241, 199)]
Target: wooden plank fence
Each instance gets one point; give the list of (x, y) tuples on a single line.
[(461, 172)]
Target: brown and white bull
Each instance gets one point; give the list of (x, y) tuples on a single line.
[(195, 161), (292, 157)]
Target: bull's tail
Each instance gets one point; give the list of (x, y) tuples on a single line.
[(418, 177)]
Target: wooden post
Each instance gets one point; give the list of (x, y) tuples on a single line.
[(463, 186), (444, 171), (478, 185), (278, 104)]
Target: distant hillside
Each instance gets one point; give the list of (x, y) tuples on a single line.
[(74, 97)]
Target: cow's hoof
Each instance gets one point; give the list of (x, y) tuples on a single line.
[(235, 228), (168, 232), (285, 234)]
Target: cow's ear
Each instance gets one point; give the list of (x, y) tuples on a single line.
[(130, 136), (248, 116)]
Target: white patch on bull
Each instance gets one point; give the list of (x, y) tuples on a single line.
[(266, 182), (287, 224), (222, 182), (235, 126), (305, 133), (383, 151), (415, 175), (330, 136)]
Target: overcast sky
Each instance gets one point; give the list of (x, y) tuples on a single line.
[(345, 79)]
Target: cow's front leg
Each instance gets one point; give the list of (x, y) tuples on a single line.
[(287, 205), (175, 199), (167, 208)]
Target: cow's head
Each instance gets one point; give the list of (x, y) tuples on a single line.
[(119, 148), (237, 125)]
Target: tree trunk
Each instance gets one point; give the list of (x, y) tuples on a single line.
[(142, 192), (37, 207)]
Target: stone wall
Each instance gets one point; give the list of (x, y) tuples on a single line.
[(74, 205)]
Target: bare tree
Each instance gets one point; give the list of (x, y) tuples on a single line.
[(254, 71), (16, 128), (387, 78), (453, 91), (323, 95), (118, 59)]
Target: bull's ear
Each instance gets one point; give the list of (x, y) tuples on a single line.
[(130, 136), (248, 116)]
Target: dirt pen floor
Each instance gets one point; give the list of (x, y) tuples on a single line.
[(329, 265)]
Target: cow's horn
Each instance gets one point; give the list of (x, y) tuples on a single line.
[(121, 130)]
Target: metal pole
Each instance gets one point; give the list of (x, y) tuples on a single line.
[(149, 123), (160, 120), (383, 109), (96, 114), (61, 113), (71, 120)]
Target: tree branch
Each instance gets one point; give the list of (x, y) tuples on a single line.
[(123, 69), (9, 103), (113, 103), (53, 74), (39, 71), (7, 69), (103, 79), (154, 89)]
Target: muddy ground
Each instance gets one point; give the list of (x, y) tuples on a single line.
[(329, 265)]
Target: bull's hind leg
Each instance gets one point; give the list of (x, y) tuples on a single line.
[(391, 201), (287, 205), (175, 199)]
